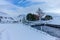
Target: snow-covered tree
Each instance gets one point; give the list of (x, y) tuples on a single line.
[(40, 13)]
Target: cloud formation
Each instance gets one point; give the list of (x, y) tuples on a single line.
[(16, 7), (24, 3), (49, 5)]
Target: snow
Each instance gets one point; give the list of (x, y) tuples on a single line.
[(55, 20), (19, 31), (22, 32)]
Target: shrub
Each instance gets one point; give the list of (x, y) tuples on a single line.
[(31, 17), (47, 17)]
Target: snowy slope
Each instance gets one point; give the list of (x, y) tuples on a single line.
[(22, 32)]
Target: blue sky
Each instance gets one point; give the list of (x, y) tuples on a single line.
[(24, 3), (16, 7), (48, 5)]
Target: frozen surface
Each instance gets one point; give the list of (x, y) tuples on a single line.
[(22, 32)]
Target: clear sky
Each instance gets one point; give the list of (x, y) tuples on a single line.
[(16, 7)]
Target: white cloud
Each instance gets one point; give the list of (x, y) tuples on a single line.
[(10, 8), (52, 3), (48, 6)]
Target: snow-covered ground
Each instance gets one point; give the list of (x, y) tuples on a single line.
[(22, 32), (19, 31)]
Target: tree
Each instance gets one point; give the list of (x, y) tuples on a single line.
[(40, 13), (32, 17)]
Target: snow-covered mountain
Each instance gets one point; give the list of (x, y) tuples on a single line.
[(4, 14), (5, 18)]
